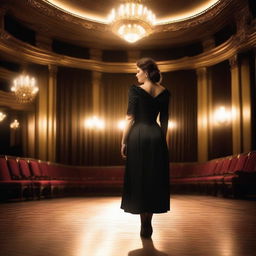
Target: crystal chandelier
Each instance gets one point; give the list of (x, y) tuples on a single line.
[(24, 88), (132, 21)]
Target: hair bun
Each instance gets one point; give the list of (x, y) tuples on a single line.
[(154, 75), (149, 65)]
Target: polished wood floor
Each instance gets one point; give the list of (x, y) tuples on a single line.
[(96, 226)]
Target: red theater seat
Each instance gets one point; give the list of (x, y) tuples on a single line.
[(4, 171), (15, 186), (24, 169), (231, 174)]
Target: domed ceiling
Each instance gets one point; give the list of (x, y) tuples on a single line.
[(84, 22), (165, 10)]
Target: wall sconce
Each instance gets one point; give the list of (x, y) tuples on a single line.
[(121, 124), (172, 125), (15, 124), (222, 116), (2, 116), (94, 123)]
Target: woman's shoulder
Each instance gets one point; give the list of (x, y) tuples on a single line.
[(164, 88), (134, 88)]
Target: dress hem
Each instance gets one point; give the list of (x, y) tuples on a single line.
[(148, 211)]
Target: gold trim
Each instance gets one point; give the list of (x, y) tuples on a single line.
[(13, 47)]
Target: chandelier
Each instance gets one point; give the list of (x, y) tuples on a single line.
[(131, 21), (24, 88)]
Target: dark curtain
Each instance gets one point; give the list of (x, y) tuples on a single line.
[(221, 96), (252, 63), (182, 110), (81, 146), (114, 98), (74, 91)]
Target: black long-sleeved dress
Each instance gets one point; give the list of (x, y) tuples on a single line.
[(146, 179)]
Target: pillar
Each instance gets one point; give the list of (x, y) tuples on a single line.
[(202, 115), (96, 54), (246, 104), (46, 115), (51, 113), (236, 103)]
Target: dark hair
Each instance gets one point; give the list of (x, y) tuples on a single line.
[(149, 65)]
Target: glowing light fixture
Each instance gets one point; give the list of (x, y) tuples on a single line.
[(94, 123), (121, 124), (222, 116), (132, 21), (172, 125), (25, 88), (15, 124), (2, 116)]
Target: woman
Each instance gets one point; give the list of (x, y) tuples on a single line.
[(146, 180)]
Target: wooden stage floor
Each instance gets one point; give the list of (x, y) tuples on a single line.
[(96, 226)]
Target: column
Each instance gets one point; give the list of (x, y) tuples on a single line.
[(202, 115), (51, 113), (96, 54), (41, 116), (46, 114), (235, 102), (3, 9), (246, 104)]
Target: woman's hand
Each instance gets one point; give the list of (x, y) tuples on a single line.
[(123, 150)]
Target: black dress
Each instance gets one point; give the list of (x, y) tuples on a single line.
[(146, 179)]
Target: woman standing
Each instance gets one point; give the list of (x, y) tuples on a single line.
[(146, 180)]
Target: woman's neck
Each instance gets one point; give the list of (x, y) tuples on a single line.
[(148, 84)]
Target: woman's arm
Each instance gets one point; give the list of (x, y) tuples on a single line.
[(164, 116), (129, 120)]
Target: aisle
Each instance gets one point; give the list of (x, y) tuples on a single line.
[(96, 226)]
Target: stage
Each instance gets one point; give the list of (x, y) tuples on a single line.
[(96, 226)]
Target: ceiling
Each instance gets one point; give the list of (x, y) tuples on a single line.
[(165, 10), (83, 22)]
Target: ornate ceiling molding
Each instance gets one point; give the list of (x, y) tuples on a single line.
[(196, 20), (55, 13), (11, 47), (207, 15)]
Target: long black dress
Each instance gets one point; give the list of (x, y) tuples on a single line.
[(146, 179)]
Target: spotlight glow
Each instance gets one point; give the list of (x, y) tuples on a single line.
[(2, 116), (94, 123), (121, 124), (172, 125), (222, 115)]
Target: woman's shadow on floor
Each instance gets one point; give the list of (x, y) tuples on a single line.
[(148, 249)]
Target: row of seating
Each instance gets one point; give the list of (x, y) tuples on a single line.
[(229, 176), (30, 178)]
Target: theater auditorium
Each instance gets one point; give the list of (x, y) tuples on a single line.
[(66, 68)]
